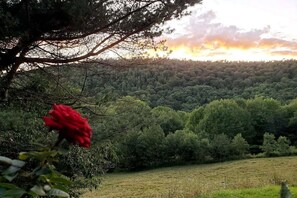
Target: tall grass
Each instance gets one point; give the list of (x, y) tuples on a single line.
[(199, 180)]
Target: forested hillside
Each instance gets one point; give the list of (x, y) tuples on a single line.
[(148, 113), (184, 85)]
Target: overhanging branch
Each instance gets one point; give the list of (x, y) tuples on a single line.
[(91, 53), (96, 31)]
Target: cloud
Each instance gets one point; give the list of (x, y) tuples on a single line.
[(203, 32), (287, 53), (279, 43)]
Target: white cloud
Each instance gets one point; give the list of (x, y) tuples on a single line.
[(200, 32)]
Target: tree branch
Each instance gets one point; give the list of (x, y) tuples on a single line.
[(91, 53), (96, 31)]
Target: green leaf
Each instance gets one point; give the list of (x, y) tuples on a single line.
[(23, 155), (57, 192), (5, 160), (40, 155), (14, 193), (33, 194), (10, 177), (7, 186), (11, 170), (38, 190), (62, 179), (10, 191), (42, 171), (18, 163), (55, 178)]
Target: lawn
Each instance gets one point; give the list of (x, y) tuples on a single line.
[(263, 192), (210, 180)]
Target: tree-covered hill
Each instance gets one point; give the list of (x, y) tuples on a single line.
[(233, 108), (184, 85)]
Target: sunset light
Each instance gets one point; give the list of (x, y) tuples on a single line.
[(235, 31), (229, 54)]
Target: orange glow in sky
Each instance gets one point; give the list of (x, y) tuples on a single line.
[(232, 30)]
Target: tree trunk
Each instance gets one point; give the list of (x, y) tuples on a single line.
[(8, 80)]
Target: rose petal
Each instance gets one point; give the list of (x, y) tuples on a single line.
[(51, 123), (71, 125)]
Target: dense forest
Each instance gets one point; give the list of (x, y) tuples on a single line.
[(185, 85), (148, 113)]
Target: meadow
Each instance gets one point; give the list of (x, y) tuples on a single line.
[(257, 177)]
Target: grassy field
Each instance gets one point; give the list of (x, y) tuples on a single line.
[(228, 179), (263, 192)]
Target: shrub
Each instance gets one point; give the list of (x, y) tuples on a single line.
[(150, 146), (142, 149), (20, 130), (269, 144), (283, 145), (41, 178), (239, 146), (293, 150), (78, 162), (127, 152), (181, 146), (185, 146), (37, 172), (220, 147)]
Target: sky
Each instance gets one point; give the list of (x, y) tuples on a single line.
[(236, 30)]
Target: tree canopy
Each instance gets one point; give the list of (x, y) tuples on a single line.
[(62, 31), (180, 85)]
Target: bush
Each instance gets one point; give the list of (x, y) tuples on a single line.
[(269, 144), (77, 161), (34, 173), (239, 146), (292, 150), (283, 145), (181, 146), (142, 149), (203, 153), (151, 145), (220, 147), (273, 148), (20, 130), (127, 152), (185, 146)]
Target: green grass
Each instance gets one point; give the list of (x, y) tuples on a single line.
[(234, 178), (264, 192)]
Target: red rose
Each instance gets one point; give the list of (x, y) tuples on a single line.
[(70, 125)]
